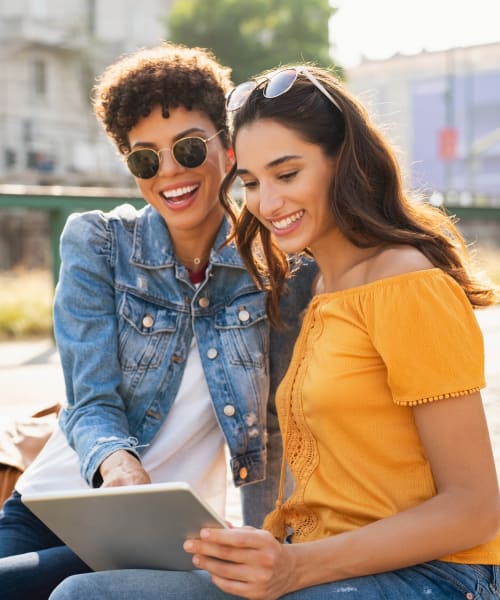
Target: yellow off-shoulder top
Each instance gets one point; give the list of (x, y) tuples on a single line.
[(364, 357)]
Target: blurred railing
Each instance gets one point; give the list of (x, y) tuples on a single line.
[(59, 202)]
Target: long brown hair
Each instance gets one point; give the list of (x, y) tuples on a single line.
[(366, 197)]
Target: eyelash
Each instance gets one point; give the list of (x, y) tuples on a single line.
[(286, 177), (248, 184)]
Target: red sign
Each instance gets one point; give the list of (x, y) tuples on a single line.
[(448, 143)]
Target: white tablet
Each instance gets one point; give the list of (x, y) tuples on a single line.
[(128, 527)]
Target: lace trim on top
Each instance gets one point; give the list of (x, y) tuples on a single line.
[(299, 448), (440, 397)]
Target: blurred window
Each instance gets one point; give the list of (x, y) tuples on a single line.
[(27, 126), (10, 158), (40, 161), (39, 77), (91, 16)]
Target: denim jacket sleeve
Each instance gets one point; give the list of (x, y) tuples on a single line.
[(259, 498), (85, 326)]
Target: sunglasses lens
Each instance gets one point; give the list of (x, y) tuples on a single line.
[(239, 95), (143, 163), (190, 152), (280, 82)]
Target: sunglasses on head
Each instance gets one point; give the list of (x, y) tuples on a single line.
[(189, 152), (274, 85)]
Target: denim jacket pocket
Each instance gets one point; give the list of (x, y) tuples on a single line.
[(145, 330), (244, 330)]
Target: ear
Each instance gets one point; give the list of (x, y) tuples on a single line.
[(230, 159)]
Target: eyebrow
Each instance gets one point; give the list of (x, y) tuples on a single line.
[(179, 136), (274, 163)]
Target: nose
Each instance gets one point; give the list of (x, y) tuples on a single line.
[(168, 165), (270, 202)]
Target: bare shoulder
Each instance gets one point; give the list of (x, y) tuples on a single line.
[(397, 260)]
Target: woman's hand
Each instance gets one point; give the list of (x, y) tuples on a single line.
[(244, 561), (122, 468)]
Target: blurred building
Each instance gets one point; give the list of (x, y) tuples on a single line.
[(442, 110), (51, 52)]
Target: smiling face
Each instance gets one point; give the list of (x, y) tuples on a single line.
[(186, 198), (286, 181)]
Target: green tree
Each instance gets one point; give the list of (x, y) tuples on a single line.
[(252, 35)]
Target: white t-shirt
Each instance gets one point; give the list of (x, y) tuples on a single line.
[(188, 447)]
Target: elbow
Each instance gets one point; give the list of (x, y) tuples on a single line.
[(477, 517), (495, 520), (489, 525)]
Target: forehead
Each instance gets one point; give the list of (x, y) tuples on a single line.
[(155, 126), (263, 141)]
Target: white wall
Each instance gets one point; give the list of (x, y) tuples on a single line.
[(58, 34)]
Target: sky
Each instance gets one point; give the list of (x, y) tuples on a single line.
[(377, 29)]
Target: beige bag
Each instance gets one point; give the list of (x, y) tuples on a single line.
[(20, 442)]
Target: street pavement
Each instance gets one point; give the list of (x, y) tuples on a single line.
[(31, 378)]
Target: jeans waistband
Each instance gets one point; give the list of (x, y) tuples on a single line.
[(489, 573)]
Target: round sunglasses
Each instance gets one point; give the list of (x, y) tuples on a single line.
[(274, 85), (189, 152)]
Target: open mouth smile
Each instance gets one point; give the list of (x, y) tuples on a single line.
[(285, 223), (179, 194)]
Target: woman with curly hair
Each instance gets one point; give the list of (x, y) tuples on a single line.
[(396, 494), (165, 345)]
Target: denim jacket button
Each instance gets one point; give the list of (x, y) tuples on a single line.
[(243, 473), (148, 321), (204, 302), (175, 358), (243, 316), (212, 353), (229, 410)]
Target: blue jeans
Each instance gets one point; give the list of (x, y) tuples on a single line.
[(33, 561), (434, 580)]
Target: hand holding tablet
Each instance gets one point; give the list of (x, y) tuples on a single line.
[(127, 527)]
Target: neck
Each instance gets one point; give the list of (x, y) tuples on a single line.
[(193, 248), (341, 263), (194, 254), (195, 263)]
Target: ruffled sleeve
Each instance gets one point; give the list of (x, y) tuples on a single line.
[(425, 330)]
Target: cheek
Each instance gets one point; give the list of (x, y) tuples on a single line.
[(216, 166), (143, 186), (252, 203), (248, 202)]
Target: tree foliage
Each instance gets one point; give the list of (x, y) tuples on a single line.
[(253, 35)]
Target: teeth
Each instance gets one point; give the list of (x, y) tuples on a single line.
[(179, 192), (284, 223)]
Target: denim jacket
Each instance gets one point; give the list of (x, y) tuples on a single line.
[(125, 312)]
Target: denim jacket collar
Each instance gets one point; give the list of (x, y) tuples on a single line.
[(153, 248)]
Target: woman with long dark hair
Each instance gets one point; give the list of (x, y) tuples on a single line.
[(396, 494)]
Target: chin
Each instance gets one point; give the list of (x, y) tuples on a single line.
[(289, 246)]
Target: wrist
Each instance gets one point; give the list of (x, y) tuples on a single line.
[(307, 564), (296, 567), (119, 458), (294, 561)]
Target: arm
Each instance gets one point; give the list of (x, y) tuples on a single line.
[(455, 439), (94, 419)]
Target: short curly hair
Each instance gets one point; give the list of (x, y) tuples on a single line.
[(168, 75)]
